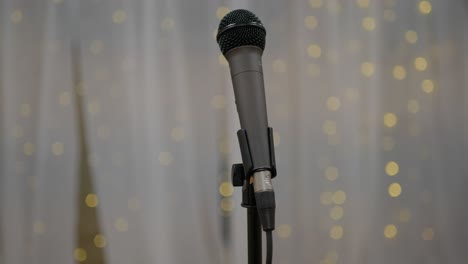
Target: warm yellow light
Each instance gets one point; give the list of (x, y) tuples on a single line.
[(331, 173), (368, 23), (80, 255), (336, 232), (279, 66), (315, 3), (399, 72), (425, 7), (392, 168), (405, 215), (226, 189), (119, 16), (413, 106), (18, 131), (427, 86), (310, 22), (177, 134), (420, 64), (91, 200), (57, 148), (428, 234), (326, 198), (388, 143), (390, 119), (99, 241), (367, 69), (333, 103), (314, 51), (390, 231), (227, 204), (28, 148), (394, 189), (363, 3), (166, 158), (336, 213), (221, 12), (121, 224), (329, 127), (411, 36), (339, 197), (284, 231)]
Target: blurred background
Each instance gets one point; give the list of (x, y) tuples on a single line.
[(118, 131)]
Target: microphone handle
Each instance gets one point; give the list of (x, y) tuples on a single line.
[(247, 78)]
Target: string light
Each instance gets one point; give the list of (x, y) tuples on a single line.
[(425, 7), (221, 12), (331, 173), (336, 232), (394, 189), (392, 168), (91, 200), (390, 119), (399, 72), (311, 22), (119, 16), (284, 231), (367, 69), (314, 51), (390, 231), (427, 86), (99, 241), (80, 254), (411, 36), (368, 23)]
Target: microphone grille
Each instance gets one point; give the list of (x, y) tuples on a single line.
[(240, 28)]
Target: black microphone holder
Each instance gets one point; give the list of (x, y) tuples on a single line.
[(241, 179)]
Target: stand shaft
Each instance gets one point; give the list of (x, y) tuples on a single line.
[(254, 236)]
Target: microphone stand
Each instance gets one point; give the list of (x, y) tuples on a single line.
[(239, 179), (254, 229)]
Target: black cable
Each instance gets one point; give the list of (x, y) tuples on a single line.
[(269, 247)]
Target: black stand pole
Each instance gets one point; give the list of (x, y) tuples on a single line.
[(254, 230), (254, 234)]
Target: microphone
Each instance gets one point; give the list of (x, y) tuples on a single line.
[(241, 38)]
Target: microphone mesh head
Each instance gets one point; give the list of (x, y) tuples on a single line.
[(240, 28)]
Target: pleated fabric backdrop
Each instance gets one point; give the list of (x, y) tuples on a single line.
[(118, 129)]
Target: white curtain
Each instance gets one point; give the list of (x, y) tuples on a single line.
[(368, 100)]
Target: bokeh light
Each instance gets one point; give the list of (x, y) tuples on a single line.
[(394, 189), (390, 231)]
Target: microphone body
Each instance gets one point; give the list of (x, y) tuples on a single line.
[(245, 63)]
